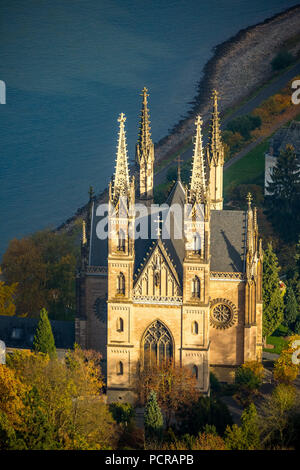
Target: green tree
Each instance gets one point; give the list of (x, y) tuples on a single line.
[(244, 125), (122, 413), (291, 308), (44, 339), (279, 418), (246, 436), (7, 298), (43, 265), (36, 432), (273, 305), (282, 60), (283, 201), (153, 419), (8, 439), (206, 411)]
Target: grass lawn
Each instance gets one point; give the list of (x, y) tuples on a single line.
[(249, 170), (278, 343), (277, 339)]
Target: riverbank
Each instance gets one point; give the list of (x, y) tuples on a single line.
[(238, 67)]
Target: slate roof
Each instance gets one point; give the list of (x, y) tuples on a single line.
[(227, 238), (227, 241), (19, 332), (283, 137)]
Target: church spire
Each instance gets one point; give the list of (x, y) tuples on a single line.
[(121, 185), (215, 158), (215, 142), (145, 152), (144, 138), (198, 182)]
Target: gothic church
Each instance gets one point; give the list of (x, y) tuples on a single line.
[(195, 299)]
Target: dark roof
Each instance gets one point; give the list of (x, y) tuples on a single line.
[(227, 238), (98, 248), (227, 241), (18, 332), (284, 136)]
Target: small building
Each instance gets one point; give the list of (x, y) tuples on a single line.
[(287, 135), (18, 333)]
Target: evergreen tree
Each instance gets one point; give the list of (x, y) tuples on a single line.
[(153, 419), (43, 339), (273, 305), (283, 203), (291, 308), (250, 427)]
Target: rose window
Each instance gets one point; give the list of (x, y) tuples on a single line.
[(223, 313)]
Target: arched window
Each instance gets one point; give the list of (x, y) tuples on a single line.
[(121, 240), (121, 284), (195, 372), (197, 243), (120, 325), (120, 368), (196, 287), (157, 345), (195, 328)]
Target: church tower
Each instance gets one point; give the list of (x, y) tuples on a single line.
[(196, 270), (120, 264), (253, 287), (145, 155), (215, 158)]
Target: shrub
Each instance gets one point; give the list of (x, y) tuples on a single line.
[(282, 60), (122, 413)]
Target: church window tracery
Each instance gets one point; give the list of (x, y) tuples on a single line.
[(157, 345)]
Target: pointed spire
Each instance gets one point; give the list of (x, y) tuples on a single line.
[(144, 137), (145, 153), (198, 183), (215, 142), (121, 178)]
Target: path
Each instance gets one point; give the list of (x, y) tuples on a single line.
[(267, 91)]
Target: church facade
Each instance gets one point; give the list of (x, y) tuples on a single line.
[(180, 281)]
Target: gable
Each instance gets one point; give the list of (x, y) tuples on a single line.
[(158, 277)]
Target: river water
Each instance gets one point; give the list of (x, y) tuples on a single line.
[(70, 68)]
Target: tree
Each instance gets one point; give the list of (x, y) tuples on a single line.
[(7, 298), (36, 432), (44, 266), (67, 401), (44, 340), (291, 308), (283, 201), (153, 419), (210, 411), (248, 378), (273, 306), (122, 413), (12, 392), (282, 60), (8, 439), (285, 371), (278, 415), (247, 436), (175, 387), (244, 125), (23, 263)]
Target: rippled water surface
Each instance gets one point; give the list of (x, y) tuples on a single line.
[(71, 66)]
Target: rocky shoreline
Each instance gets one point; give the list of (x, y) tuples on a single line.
[(238, 67)]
